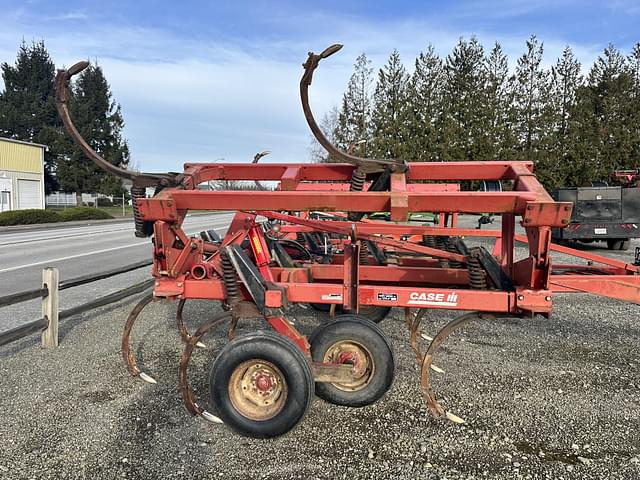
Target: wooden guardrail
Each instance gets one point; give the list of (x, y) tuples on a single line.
[(51, 314)]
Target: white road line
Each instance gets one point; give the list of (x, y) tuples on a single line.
[(73, 256), (95, 252), (99, 232), (70, 235)]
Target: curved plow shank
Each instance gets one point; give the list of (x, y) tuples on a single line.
[(185, 387), (432, 403), (127, 354), (182, 329), (63, 94), (369, 165), (256, 159), (233, 324), (413, 324)]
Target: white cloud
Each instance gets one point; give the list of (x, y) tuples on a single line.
[(72, 15)]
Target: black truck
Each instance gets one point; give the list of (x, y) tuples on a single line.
[(600, 213)]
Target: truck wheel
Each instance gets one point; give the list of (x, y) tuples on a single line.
[(261, 384), (618, 244), (358, 341)]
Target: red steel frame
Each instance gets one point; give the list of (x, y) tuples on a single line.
[(414, 282), (415, 276)]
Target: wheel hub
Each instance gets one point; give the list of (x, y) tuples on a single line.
[(353, 353), (263, 383), (257, 389)]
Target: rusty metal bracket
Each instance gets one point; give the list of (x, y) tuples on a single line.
[(334, 372)]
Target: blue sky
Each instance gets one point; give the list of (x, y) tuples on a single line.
[(200, 81)]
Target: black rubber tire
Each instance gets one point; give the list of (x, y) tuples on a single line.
[(323, 307), (375, 313), (287, 357), (618, 244), (372, 312), (363, 331)]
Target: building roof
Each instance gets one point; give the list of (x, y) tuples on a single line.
[(12, 140)]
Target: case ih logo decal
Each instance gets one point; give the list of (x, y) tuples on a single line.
[(439, 299)]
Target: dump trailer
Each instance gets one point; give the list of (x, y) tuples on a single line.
[(601, 214)]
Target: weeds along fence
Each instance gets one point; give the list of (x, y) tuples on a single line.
[(49, 292)]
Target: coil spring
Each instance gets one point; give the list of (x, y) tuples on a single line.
[(136, 193), (451, 248), (358, 177), (363, 257), (442, 244), (477, 278), (429, 241), (230, 280)]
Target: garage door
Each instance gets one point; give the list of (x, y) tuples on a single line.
[(29, 194)]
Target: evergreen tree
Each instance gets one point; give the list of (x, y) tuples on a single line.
[(634, 69), (27, 104), (579, 168), (390, 107), (565, 81), (424, 108), (534, 118), (608, 93), (354, 119), (468, 107), (99, 121), (463, 111), (500, 142)]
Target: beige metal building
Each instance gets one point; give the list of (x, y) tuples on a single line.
[(21, 175)]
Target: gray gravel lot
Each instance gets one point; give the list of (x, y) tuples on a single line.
[(554, 399), (543, 399)]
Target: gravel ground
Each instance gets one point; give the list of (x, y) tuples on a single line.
[(554, 399), (543, 399)]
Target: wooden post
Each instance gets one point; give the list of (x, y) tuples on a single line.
[(50, 307)]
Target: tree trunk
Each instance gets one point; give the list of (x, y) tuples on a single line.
[(78, 199)]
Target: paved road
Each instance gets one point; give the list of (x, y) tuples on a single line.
[(77, 251), (80, 250)]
